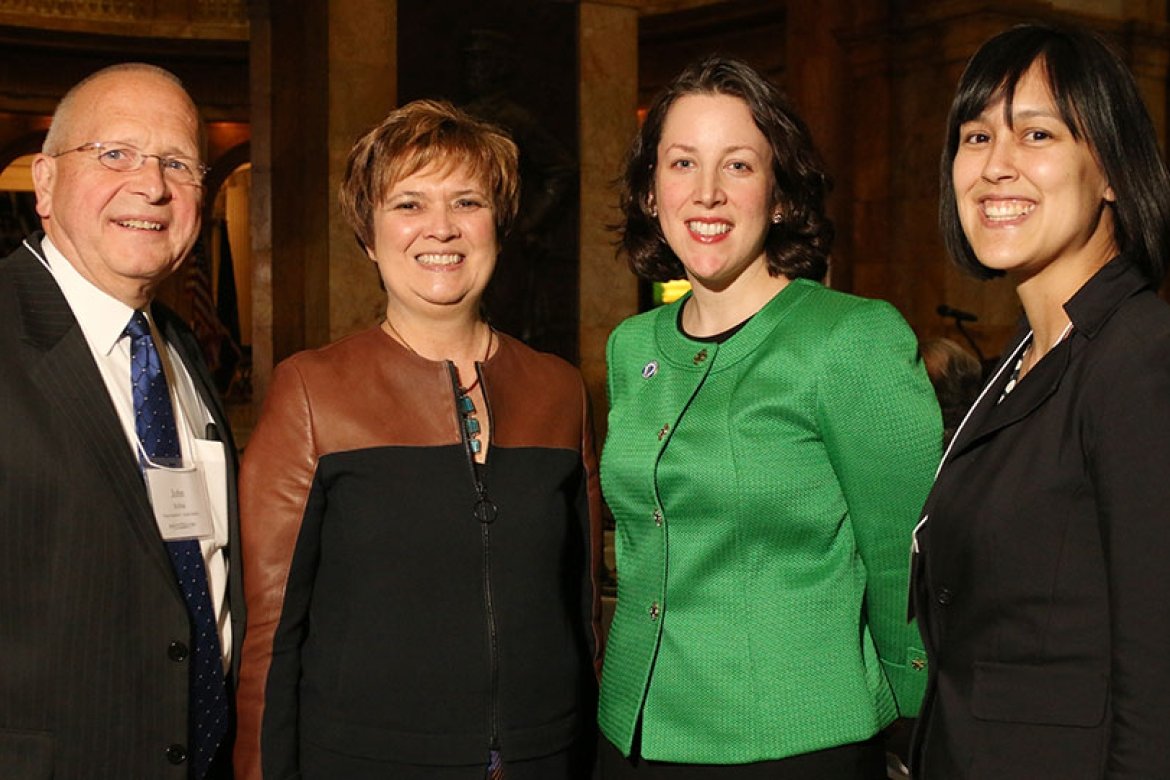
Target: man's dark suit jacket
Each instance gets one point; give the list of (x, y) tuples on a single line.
[(1043, 586), (94, 634)]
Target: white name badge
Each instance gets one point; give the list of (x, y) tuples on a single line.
[(180, 503), (211, 458)]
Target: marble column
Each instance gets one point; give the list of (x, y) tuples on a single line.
[(320, 77), (608, 99)]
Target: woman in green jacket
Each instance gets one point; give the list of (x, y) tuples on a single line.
[(770, 443)]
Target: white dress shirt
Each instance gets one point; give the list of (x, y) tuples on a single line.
[(103, 320)]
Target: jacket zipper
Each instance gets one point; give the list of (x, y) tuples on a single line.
[(484, 511)]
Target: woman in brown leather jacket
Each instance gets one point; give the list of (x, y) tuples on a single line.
[(420, 513)]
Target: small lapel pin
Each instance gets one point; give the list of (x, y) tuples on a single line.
[(650, 369)]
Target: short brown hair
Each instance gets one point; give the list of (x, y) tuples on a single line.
[(420, 134)]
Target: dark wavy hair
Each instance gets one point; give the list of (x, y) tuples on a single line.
[(1099, 101), (798, 246)]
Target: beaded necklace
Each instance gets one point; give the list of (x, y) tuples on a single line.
[(466, 407), (1014, 376)]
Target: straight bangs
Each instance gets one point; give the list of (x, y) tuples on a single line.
[(996, 72), (1098, 99), (993, 74)]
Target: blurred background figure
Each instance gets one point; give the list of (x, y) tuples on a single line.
[(956, 375)]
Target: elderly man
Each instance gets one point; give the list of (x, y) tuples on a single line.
[(117, 497)]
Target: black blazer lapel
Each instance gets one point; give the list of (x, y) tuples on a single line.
[(1039, 385), (989, 415), (941, 557), (71, 383)]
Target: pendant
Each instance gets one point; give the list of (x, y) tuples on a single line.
[(466, 405), (471, 425)]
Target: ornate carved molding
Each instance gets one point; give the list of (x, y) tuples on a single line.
[(204, 19)]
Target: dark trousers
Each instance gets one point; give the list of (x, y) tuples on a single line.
[(856, 761), (576, 763)]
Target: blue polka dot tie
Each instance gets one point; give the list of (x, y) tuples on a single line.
[(154, 422)]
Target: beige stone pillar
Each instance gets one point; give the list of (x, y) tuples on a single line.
[(363, 78), (608, 100), (321, 76)]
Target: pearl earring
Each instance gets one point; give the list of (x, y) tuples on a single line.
[(776, 218)]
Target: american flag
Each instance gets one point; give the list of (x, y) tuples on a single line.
[(209, 331)]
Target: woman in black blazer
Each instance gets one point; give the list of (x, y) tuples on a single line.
[(1042, 579)]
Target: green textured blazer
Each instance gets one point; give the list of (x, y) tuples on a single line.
[(765, 490)]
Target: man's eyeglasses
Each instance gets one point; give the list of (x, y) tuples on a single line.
[(126, 159)]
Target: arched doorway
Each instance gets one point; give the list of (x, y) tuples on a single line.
[(18, 215), (214, 292)]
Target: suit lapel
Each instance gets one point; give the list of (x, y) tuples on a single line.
[(945, 548), (994, 415), (72, 385), (188, 350), (1088, 309)]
